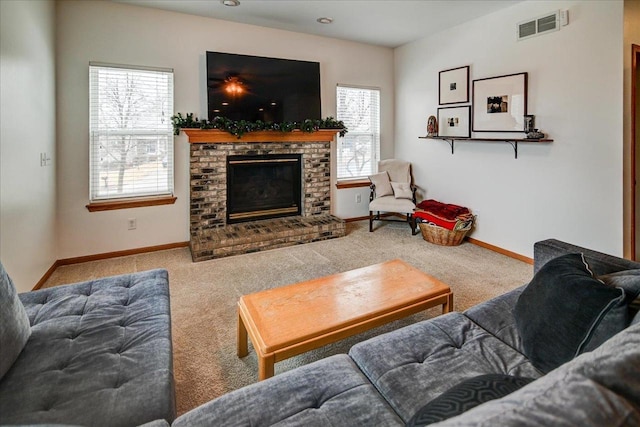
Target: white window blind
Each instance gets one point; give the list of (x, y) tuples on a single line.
[(358, 151), (131, 137)]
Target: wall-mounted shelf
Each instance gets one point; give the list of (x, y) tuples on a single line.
[(512, 141)]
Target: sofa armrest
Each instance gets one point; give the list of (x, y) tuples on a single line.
[(496, 315)]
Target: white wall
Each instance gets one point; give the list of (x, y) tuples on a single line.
[(346, 205), (116, 33), (570, 189), (27, 128)]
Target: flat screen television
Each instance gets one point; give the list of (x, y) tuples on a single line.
[(244, 87)]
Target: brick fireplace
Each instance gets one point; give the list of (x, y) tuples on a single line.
[(212, 235)]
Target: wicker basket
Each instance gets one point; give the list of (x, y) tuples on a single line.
[(441, 235)]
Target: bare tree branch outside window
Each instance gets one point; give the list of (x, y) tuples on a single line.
[(358, 150)]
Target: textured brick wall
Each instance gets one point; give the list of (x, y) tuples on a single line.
[(208, 171)]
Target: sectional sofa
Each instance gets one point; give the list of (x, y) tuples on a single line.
[(562, 350), (431, 371)]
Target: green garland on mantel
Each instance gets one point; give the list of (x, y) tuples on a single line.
[(240, 127)]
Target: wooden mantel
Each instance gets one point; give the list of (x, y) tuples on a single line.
[(215, 136)]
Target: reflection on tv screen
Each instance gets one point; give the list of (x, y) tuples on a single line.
[(243, 87)]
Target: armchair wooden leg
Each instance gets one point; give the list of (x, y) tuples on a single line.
[(370, 221)]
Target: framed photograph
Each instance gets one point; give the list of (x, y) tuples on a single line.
[(453, 85), (454, 121), (500, 103)]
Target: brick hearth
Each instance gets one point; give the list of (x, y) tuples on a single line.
[(212, 237), (256, 236)]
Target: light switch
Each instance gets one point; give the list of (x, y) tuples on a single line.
[(45, 159)]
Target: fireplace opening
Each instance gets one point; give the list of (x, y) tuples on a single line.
[(263, 186)]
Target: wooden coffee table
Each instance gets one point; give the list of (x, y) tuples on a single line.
[(290, 320)]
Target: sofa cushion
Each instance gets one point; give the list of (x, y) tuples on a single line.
[(629, 280), (329, 392), (599, 388), (99, 354), (14, 323), (496, 317), (382, 184), (413, 365), (565, 311)]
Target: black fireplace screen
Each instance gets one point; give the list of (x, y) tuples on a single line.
[(263, 186)]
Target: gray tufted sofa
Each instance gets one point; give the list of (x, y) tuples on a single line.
[(96, 353), (384, 381)]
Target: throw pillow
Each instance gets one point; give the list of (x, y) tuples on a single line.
[(402, 190), (382, 183), (14, 323), (565, 311), (466, 395)]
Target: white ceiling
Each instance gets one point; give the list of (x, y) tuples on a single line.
[(388, 23)]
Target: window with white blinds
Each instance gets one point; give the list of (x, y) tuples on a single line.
[(358, 151), (131, 136)]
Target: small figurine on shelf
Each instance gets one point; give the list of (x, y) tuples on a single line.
[(432, 126)]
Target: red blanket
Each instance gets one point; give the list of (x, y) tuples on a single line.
[(441, 214)]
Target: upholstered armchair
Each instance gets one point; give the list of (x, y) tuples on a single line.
[(393, 192)]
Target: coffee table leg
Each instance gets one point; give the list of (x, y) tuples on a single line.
[(265, 367), (243, 348), (448, 306)]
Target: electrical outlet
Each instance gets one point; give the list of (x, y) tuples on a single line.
[(358, 198), (132, 223)]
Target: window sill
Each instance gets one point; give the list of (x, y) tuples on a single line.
[(131, 203), (353, 183)]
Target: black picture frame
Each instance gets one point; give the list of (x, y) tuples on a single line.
[(454, 121), (500, 103), (453, 86)]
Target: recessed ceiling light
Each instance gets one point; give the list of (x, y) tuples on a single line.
[(231, 3), (325, 20)]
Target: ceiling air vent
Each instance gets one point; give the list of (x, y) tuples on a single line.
[(541, 24)]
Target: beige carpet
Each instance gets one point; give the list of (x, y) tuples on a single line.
[(204, 294)]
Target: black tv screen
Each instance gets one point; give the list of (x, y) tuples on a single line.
[(243, 87)]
